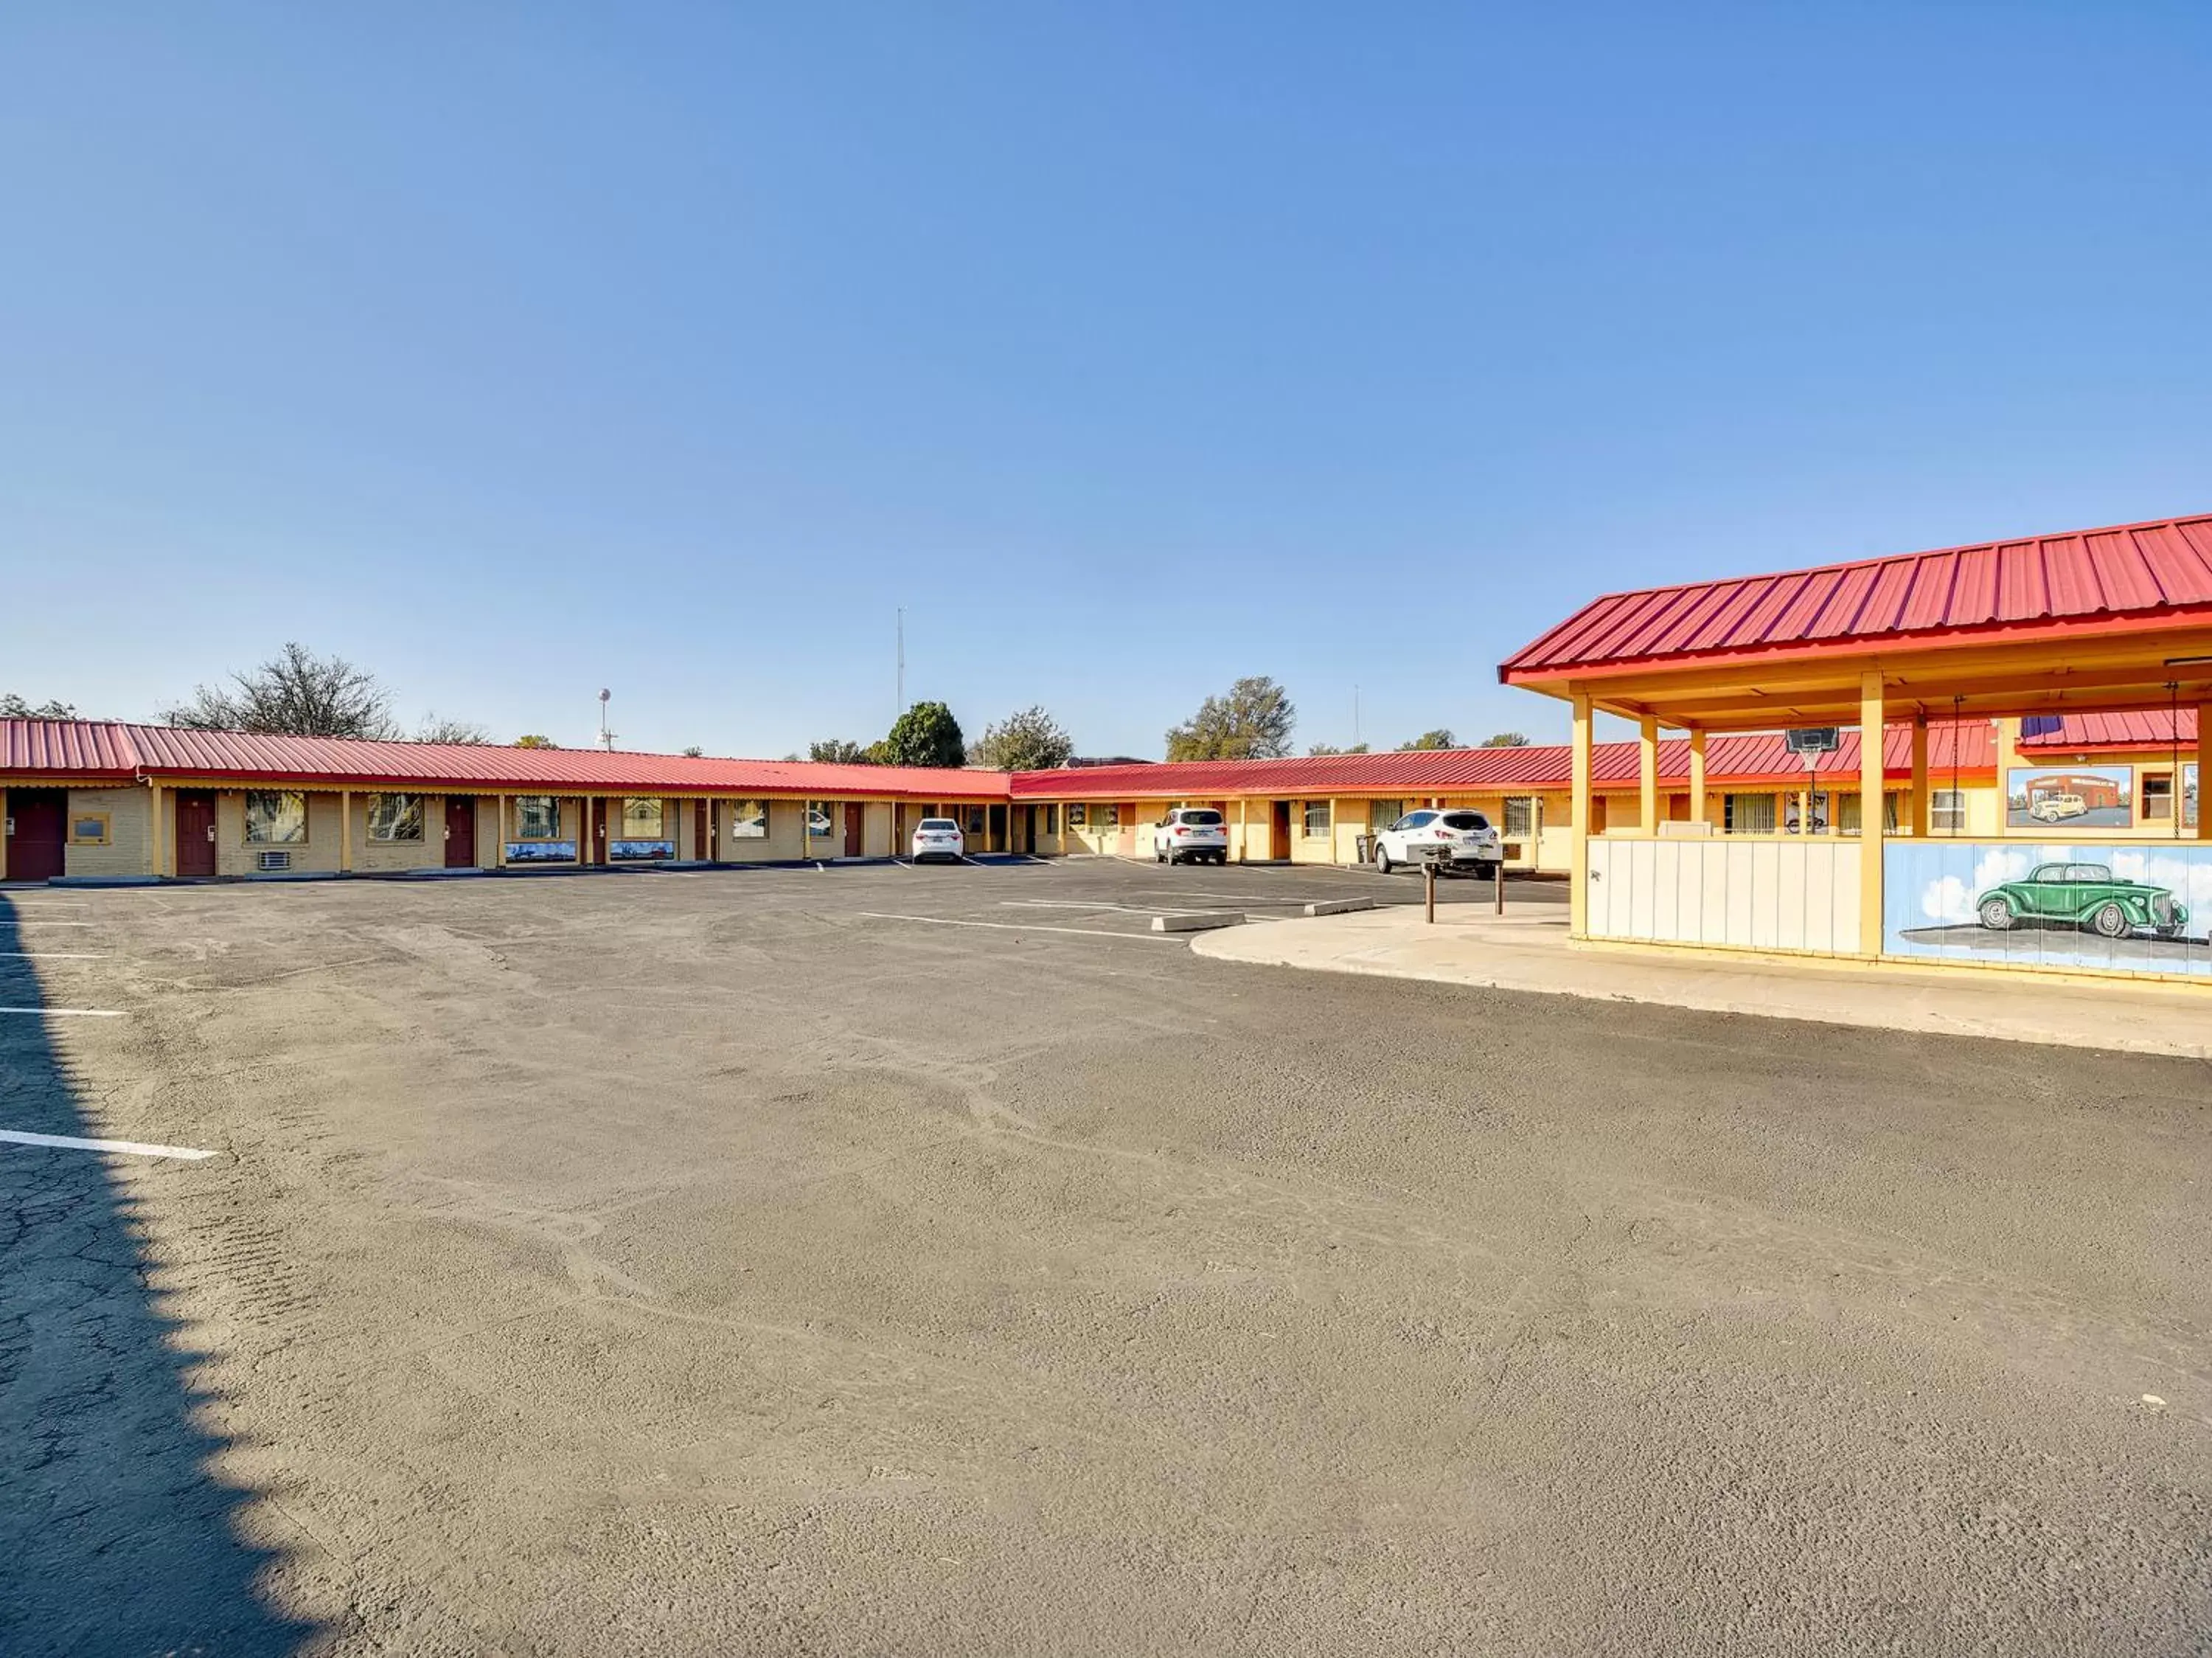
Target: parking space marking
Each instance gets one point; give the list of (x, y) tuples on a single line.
[(1124, 909), (69, 1142), (68, 1013), (49, 955), (1018, 927), (43, 922)]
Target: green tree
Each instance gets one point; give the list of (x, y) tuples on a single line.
[(1252, 722), (1030, 741), (926, 735), (13, 707), (296, 693), (692, 752), (1331, 748), (1506, 740), (535, 740), (1439, 738), (836, 751)]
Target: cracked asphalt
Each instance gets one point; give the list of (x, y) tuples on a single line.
[(887, 1261)]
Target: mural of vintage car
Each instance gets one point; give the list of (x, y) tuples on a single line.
[(2082, 895), (2054, 808)]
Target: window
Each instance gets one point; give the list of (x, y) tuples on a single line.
[(1419, 819), (640, 819), (1109, 816), (2158, 796), (1748, 815), (88, 828), (1052, 819), (747, 820), (1078, 814), (538, 817), (1316, 817), (1382, 813), (1465, 820), (818, 826), (395, 818), (275, 817), (1947, 809), (938, 826), (1202, 815), (1520, 814), (1850, 820), (976, 820)]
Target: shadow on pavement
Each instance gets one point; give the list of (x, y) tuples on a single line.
[(115, 1537)]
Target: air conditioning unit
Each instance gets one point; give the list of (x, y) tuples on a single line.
[(268, 862)]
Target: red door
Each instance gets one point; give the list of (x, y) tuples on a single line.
[(35, 849), (702, 839), (461, 831), (855, 820), (595, 849), (195, 834)]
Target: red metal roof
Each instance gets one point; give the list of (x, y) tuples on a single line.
[(1760, 758), (2148, 569), (77, 748), (2141, 728), (162, 750)]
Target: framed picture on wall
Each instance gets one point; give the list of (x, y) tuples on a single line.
[(2071, 798)]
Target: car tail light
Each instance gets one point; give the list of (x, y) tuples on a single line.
[(1180, 830)]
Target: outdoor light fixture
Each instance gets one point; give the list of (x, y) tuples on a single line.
[(2189, 661)]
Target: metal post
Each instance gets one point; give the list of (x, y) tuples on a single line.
[(1498, 879), (1429, 885)]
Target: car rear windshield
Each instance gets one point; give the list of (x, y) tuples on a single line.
[(1465, 821), (940, 823), (1204, 819)]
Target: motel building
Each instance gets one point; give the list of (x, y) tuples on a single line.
[(2073, 843)]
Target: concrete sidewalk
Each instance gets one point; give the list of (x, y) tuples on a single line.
[(1531, 951)]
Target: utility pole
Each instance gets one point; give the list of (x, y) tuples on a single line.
[(606, 737), (1355, 716), (901, 707)]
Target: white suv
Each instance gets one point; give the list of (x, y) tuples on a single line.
[(1191, 831), (1451, 837)]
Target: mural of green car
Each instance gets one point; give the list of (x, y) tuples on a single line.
[(2085, 895)]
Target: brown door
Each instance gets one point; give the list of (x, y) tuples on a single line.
[(196, 834), (855, 822), (461, 831), (702, 839), (35, 849), (1278, 829), (595, 849)]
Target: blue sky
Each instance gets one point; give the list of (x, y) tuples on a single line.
[(515, 351)]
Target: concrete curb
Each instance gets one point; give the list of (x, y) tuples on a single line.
[(1196, 923), (1339, 906)]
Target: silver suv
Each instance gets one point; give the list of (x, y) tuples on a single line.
[(1198, 832)]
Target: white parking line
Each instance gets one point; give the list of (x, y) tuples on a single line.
[(1017, 927), (1125, 909), (43, 922), (67, 1143), (68, 1012), (49, 955)]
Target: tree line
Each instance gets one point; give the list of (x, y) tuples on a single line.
[(299, 693)]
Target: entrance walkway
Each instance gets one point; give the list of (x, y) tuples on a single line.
[(1531, 951)]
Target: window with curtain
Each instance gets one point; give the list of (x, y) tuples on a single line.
[(1748, 815), (538, 817), (275, 817), (1382, 813), (1520, 815), (1316, 817), (395, 818), (747, 820), (641, 819), (1947, 809)]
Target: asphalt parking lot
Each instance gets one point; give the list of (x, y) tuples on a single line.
[(876, 1260)]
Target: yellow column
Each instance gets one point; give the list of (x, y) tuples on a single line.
[(1244, 834), (2204, 773), (1870, 835), (1697, 776), (498, 839), (1921, 803), (156, 857), (345, 830), (1578, 896), (1647, 790)]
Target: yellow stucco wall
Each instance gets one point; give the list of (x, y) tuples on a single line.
[(128, 851), (235, 856)]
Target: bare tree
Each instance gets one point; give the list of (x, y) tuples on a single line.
[(433, 729), (533, 739), (297, 692)]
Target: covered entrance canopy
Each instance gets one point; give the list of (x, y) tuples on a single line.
[(2093, 621)]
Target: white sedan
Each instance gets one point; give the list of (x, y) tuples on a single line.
[(938, 837), (1452, 838)]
